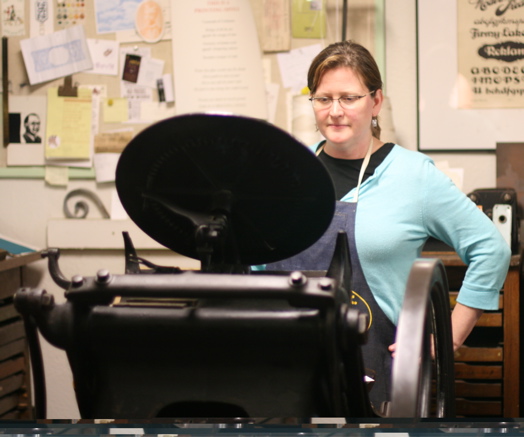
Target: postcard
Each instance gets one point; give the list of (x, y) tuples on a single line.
[(104, 55), (27, 129), (56, 55), (40, 17), (111, 16), (131, 68), (13, 15)]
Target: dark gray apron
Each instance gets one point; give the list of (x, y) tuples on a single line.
[(381, 333)]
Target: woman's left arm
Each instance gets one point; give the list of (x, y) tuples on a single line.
[(463, 320)]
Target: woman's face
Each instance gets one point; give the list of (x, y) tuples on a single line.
[(346, 128)]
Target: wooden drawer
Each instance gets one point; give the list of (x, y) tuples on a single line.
[(479, 408)]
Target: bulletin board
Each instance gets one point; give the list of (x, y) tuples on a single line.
[(442, 125), (364, 24), (26, 98)]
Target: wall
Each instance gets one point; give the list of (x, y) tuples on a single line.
[(27, 204)]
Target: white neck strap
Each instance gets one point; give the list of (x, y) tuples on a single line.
[(363, 168)]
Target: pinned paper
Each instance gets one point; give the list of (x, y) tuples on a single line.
[(68, 134), (105, 166), (131, 67), (115, 110), (70, 13), (56, 55), (132, 34), (111, 15), (150, 71), (104, 55), (308, 18), (40, 17), (57, 176), (27, 127), (222, 69), (98, 93), (13, 17), (276, 32), (112, 142), (294, 65), (149, 21)]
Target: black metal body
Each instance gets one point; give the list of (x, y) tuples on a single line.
[(195, 344)]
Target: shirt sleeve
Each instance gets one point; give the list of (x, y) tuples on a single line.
[(453, 218)]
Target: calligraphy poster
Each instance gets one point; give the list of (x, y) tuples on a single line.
[(217, 59), (490, 40)]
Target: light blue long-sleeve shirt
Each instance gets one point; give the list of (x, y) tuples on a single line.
[(404, 202)]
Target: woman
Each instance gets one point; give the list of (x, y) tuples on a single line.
[(391, 201)]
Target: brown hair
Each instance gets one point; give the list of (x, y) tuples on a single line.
[(346, 54)]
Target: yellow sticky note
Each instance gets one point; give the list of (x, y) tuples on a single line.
[(115, 110), (68, 134)]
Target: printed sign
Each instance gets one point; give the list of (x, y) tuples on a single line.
[(490, 54)]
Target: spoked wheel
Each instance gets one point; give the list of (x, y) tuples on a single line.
[(425, 311)]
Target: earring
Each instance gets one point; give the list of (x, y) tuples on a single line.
[(374, 122)]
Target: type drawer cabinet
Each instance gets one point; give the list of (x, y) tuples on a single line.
[(487, 366), (15, 386)]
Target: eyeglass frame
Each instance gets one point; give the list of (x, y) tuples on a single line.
[(331, 99)]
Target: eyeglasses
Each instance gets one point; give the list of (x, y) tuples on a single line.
[(344, 101)]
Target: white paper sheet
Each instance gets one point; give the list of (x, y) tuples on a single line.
[(23, 109), (104, 55), (294, 65), (105, 166), (150, 70), (56, 55)]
